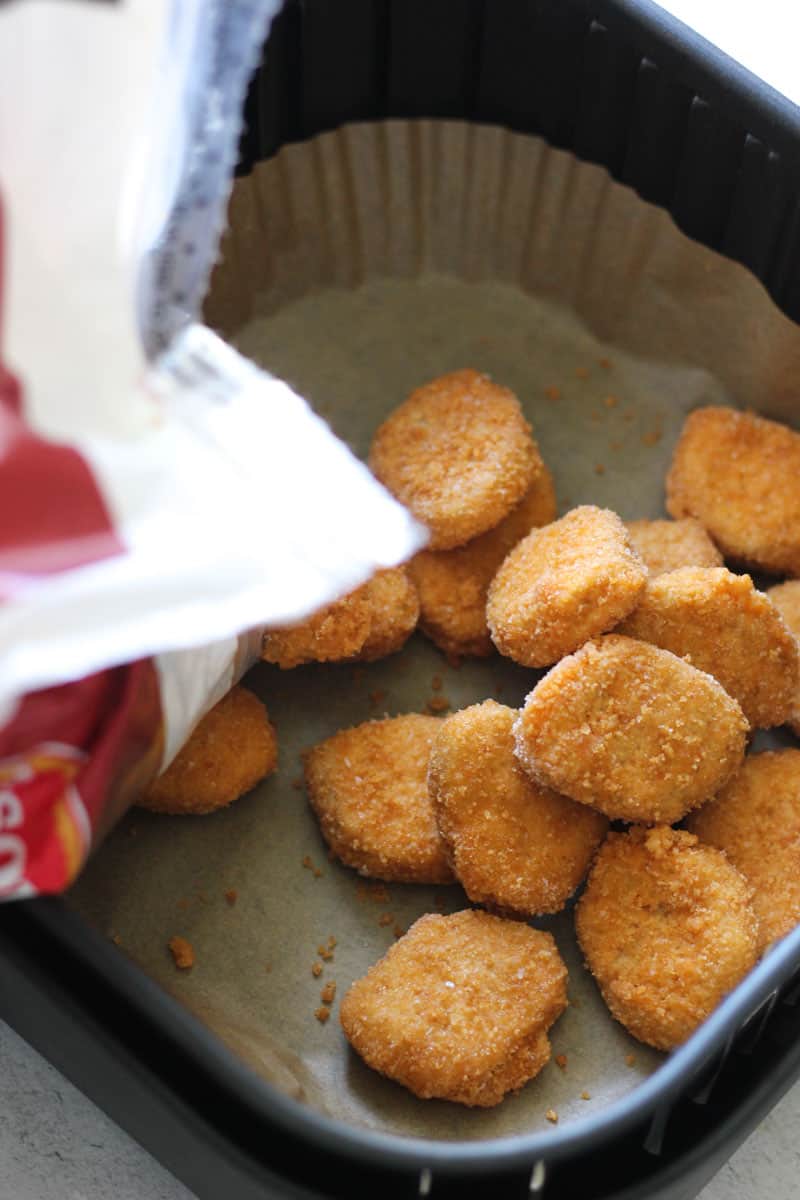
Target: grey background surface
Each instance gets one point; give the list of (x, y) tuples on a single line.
[(56, 1145)]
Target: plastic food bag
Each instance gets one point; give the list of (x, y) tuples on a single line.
[(159, 494)]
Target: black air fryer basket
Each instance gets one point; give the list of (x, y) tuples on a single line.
[(621, 84)]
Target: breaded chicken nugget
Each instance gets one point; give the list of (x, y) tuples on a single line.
[(459, 1008), (668, 545), (514, 845), (562, 585), (631, 730), (756, 821), (368, 787), (738, 474), (230, 750), (337, 632), (667, 929), (393, 611), (459, 453), (721, 624), (786, 598), (453, 584)]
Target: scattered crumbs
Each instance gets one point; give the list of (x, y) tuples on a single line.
[(436, 683), (322, 1013), (599, 469), (377, 697), (605, 363), (652, 438), (231, 896), (611, 401), (357, 674), (553, 393), (585, 1096), (116, 939), (438, 704), (376, 892), (398, 931), (552, 1116), (385, 919), (308, 863), (630, 1059), (297, 784), (328, 993), (581, 373), (561, 1061), (316, 970), (182, 953), (325, 952)]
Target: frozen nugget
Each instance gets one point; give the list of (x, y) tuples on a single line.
[(667, 929), (668, 545), (756, 821), (459, 453), (459, 1008), (514, 845), (786, 598), (562, 585), (631, 730), (393, 613), (739, 474), (368, 788), (232, 748), (453, 584), (721, 624), (335, 633)]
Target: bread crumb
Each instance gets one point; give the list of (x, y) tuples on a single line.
[(182, 953), (385, 919), (438, 704), (652, 438), (552, 393), (316, 970), (377, 697), (606, 363), (325, 952), (375, 892), (561, 1061), (581, 373), (116, 939), (331, 941), (398, 931), (231, 896), (585, 1096), (630, 1059), (552, 1116), (328, 993), (611, 401), (599, 469), (436, 683), (322, 1014)]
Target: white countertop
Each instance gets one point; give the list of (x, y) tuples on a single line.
[(56, 1145)]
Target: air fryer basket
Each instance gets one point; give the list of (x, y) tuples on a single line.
[(621, 85)]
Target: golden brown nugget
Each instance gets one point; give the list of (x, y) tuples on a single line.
[(631, 730), (739, 474), (453, 584), (513, 844), (393, 611), (368, 788), (334, 634), (459, 1007), (667, 929), (756, 821), (562, 585), (721, 624), (459, 453), (230, 750), (668, 545), (786, 598)]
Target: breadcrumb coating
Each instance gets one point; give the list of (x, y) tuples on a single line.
[(459, 1007), (514, 845), (786, 598), (668, 545), (721, 624), (738, 474), (667, 929), (336, 633), (368, 788), (459, 454), (453, 584), (631, 730), (393, 611), (562, 585), (756, 821), (229, 752)]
